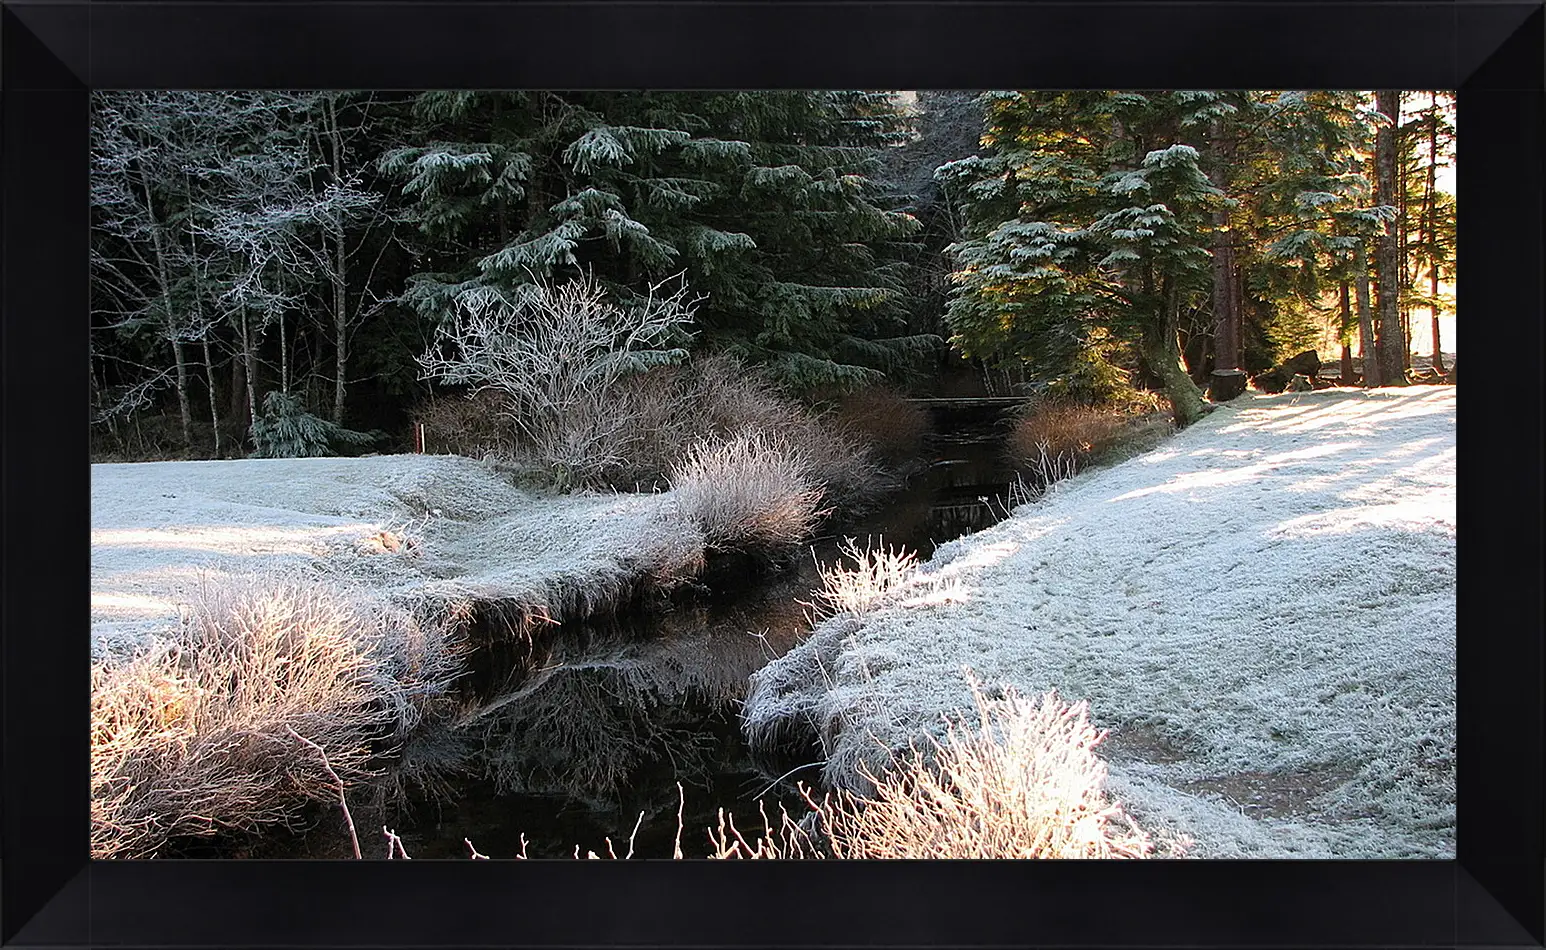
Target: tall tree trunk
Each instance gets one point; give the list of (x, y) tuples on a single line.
[(1389, 341), (1367, 354), (340, 328), (1163, 354), (1406, 281), (198, 312), (1227, 342), (1431, 200), (1345, 334), (284, 357), (250, 358), (239, 389), (163, 273), (339, 277), (214, 409), (184, 406), (1438, 359), (1227, 380)]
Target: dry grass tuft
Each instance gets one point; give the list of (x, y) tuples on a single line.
[(1024, 781), (753, 491), (217, 729), (717, 398), (853, 590), (1053, 431)]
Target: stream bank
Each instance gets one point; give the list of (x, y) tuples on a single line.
[(1269, 694), (575, 729)]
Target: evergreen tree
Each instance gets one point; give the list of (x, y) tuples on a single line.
[(1104, 226), (1088, 235), (767, 202)]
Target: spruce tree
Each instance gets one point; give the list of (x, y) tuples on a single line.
[(767, 202), (1088, 232), (1103, 225)]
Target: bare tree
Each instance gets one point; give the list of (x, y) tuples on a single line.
[(142, 145), (282, 231), (336, 259), (556, 353)]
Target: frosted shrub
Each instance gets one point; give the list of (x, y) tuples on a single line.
[(1024, 781), (753, 491), (557, 354)]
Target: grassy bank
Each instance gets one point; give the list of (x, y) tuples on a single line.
[(248, 615), (1268, 691)]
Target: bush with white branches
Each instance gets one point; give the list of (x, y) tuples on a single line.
[(557, 351)]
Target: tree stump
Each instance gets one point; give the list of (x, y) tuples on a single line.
[(1226, 384)]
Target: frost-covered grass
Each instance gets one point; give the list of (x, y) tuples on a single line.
[(343, 588), (853, 589), (401, 528), (750, 491), (1262, 611), (269, 695)]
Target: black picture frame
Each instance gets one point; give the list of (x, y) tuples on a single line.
[(54, 51)]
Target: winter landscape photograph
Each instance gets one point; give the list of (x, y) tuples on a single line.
[(773, 474)]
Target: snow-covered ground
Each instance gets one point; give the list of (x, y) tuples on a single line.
[(1262, 610), (393, 525)]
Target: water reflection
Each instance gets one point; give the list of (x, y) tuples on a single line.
[(573, 731)]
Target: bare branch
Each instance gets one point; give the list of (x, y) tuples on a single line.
[(354, 839)]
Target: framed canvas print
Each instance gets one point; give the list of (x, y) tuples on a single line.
[(587, 474)]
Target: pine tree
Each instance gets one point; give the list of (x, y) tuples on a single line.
[(765, 201), (1247, 252), (1088, 233), (1390, 342)]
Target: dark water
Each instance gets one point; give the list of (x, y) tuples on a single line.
[(600, 723)]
